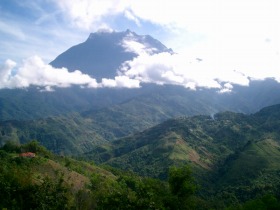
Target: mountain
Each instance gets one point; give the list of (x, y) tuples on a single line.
[(99, 56), (103, 53)]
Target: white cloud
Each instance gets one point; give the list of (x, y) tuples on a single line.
[(120, 82), (129, 15), (131, 45), (34, 72), (179, 69), (227, 88), (12, 30), (233, 33), (228, 34), (89, 14)]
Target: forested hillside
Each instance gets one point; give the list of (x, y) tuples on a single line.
[(47, 181), (228, 152)]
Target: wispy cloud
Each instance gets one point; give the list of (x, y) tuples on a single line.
[(10, 30), (90, 14), (35, 27)]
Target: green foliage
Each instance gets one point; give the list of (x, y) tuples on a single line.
[(28, 183), (181, 182), (11, 146), (267, 202), (53, 194), (18, 188), (133, 192), (182, 186), (235, 156), (35, 147), (25, 185), (69, 134)]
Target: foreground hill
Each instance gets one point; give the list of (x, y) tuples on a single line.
[(47, 181)]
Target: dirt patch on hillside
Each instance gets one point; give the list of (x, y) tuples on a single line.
[(194, 157)]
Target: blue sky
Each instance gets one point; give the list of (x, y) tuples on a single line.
[(43, 28), (237, 40)]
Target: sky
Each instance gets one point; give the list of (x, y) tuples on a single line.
[(218, 43)]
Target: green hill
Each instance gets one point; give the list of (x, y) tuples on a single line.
[(200, 140), (47, 181), (229, 152), (70, 134)]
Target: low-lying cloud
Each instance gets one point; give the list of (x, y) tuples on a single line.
[(164, 68), (218, 70), (34, 72)]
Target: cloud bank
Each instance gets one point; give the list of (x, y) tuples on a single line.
[(209, 71), (165, 68)]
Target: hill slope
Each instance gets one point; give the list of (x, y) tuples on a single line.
[(229, 149)]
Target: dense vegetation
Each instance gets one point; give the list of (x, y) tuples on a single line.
[(227, 161), (233, 156), (48, 181)]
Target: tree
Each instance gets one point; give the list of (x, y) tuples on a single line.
[(182, 187)]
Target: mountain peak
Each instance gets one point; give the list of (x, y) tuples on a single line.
[(105, 51), (111, 33)]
